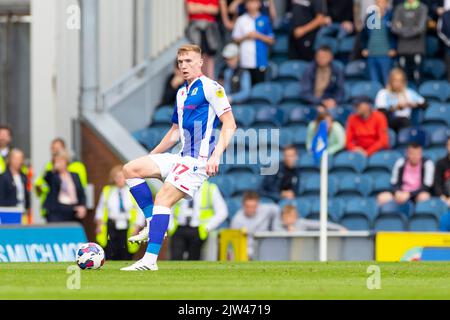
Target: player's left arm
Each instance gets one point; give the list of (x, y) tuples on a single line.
[(226, 134)]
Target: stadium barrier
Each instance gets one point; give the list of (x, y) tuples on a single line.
[(49, 243), (233, 245)]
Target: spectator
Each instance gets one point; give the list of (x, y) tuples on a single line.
[(173, 83), (412, 178), (203, 30), (13, 183), (194, 219), (253, 31), (236, 81), (284, 184), (379, 44), (397, 101), (367, 130), (66, 200), (443, 30), (307, 18), (409, 24), (323, 80), (339, 19), (5, 145), (58, 145), (268, 8), (362, 9), (442, 177), (117, 217), (254, 217), (291, 222), (336, 133), (227, 18)]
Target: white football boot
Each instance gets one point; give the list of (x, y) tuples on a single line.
[(142, 236), (141, 266)]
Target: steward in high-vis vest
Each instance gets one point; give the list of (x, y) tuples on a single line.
[(118, 217), (192, 221)]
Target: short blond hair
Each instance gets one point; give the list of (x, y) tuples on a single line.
[(63, 154), (289, 209), (189, 48), (396, 72)]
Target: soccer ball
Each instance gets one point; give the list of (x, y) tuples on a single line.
[(90, 256)]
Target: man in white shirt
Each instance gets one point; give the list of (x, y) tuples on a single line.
[(192, 220)]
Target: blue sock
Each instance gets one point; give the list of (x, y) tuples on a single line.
[(143, 196), (158, 227)]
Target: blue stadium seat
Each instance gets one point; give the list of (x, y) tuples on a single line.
[(354, 185), (326, 41), (266, 93), (433, 69), (437, 114), (291, 93), (392, 138), (356, 70), (346, 45), (245, 182), (163, 115), (292, 70), (240, 168), (303, 207), (349, 162), (244, 116), (341, 114), (280, 48), (310, 186), (359, 214), (435, 154), (269, 116), (382, 162), (427, 214), (381, 183), (408, 135), (271, 71), (435, 90), (366, 88), (299, 136), (307, 164), (225, 184), (301, 115), (150, 137), (335, 209), (439, 137), (233, 206), (432, 46), (392, 217)]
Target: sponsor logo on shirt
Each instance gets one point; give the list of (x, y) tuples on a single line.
[(220, 93)]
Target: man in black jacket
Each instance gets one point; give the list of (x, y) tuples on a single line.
[(13, 183), (284, 184), (442, 177), (443, 30)]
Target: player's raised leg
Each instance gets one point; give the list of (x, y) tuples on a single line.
[(165, 199)]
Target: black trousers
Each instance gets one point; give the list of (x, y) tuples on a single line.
[(412, 64), (257, 75), (116, 249), (447, 63), (186, 239), (61, 213)]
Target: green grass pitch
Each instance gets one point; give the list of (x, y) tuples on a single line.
[(227, 280)]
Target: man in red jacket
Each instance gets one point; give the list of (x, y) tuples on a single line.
[(367, 129)]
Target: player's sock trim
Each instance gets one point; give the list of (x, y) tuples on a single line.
[(153, 248)]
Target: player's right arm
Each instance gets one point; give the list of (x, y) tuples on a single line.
[(169, 140)]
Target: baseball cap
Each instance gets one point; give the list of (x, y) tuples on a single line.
[(231, 50)]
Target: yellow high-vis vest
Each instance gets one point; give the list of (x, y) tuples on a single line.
[(102, 237), (2, 165), (75, 167), (206, 210)]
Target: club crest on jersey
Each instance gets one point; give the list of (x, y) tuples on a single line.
[(195, 168), (220, 93), (194, 92)]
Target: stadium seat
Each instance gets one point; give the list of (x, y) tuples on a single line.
[(292, 70), (381, 183), (392, 139), (366, 88), (408, 135), (272, 71), (225, 184), (426, 215), (266, 93), (306, 164), (299, 137), (150, 137), (269, 116), (303, 207), (233, 207), (335, 209), (163, 115), (432, 46), (341, 114), (439, 137), (354, 185), (435, 90), (291, 93), (349, 162), (433, 69), (301, 115), (359, 214), (280, 49), (244, 116), (392, 217), (326, 41), (382, 162), (286, 137), (245, 182), (437, 114), (356, 70), (346, 45), (435, 154), (310, 186)]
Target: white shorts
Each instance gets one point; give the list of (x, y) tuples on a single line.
[(187, 174)]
